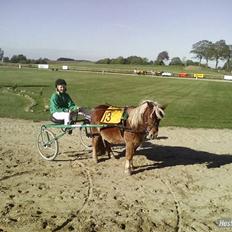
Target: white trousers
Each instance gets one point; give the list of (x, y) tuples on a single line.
[(62, 116)]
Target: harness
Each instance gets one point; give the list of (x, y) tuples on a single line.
[(122, 125)]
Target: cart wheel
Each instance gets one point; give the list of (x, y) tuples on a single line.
[(86, 138), (47, 145)]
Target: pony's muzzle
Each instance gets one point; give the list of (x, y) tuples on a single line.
[(151, 135)]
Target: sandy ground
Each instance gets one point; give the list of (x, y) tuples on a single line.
[(182, 182)]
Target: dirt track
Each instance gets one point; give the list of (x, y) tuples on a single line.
[(182, 183)]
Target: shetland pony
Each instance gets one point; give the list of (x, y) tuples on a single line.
[(142, 121)]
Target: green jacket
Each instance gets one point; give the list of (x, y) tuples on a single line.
[(61, 102)]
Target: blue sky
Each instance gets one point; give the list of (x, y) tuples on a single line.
[(94, 29)]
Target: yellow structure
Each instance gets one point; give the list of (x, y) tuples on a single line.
[(112, 115), (199, 75)]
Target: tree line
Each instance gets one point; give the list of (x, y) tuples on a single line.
[(23, 59), (203, 50), (122, 60), (136, 60)]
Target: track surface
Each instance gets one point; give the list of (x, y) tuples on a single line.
[(182, 182)]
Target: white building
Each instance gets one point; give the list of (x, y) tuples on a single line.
[(43, 66), (65, 67)]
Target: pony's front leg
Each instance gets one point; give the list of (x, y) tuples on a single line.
[(129, 167), (130, 150)]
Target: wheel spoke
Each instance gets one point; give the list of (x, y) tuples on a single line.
[(47, 144)]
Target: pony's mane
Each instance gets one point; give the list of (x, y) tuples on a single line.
[(136, 115)]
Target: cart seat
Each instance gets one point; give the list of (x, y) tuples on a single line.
[(56, 120)]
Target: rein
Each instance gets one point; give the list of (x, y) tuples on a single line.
[(125, 129)]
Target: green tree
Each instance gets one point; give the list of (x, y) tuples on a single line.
[(41, 61), (208, 51), (1, 54), (18, 59), (221, 51), (104, 61), (189, 62), (134, 60), (118, 60), (203, 49), (65, 59), (6, 59), (162, 56), (176, 61), (228, 65), (228, 55), (145, 61)]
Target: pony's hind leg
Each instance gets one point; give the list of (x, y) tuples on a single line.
[(94, 145), (108, 149), (98, 147), (95, 142)]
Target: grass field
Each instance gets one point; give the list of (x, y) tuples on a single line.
[(127, 68), (191, 103)]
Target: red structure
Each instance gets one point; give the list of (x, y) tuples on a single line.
[(183, 74)]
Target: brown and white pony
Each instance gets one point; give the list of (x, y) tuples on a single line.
[(142, 121)]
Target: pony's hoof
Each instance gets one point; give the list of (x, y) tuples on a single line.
[(95, 160), (115, 156), (128, 172)]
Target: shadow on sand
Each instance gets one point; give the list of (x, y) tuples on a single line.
[(168, 156), (164, 156)]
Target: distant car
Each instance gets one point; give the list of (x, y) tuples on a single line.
[(140, 72), (166, 74), (158, 73), (183, 74)]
